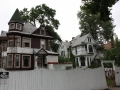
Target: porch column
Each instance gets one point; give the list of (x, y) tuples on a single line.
[(79, 61), (86, 62), (113, 65)]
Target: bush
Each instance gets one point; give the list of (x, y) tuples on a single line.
[(95, 64)]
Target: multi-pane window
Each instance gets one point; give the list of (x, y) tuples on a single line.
[(18, 26), (26, 42), (17, 41), (11, 43), (4, 46), (17, 60), (26, 61), (12, 26), (10, 60), (43, 44)]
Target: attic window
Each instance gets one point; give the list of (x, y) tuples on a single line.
[(18, 26), (42, 32), (12, 26)]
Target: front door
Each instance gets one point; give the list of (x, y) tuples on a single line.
[(40, 61)]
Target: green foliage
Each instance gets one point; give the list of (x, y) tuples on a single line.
[(43, 15), (54, 46), (63, 59), (95, 64), (72, 58), (100, 6), (89, 23), (40, 14), (113, 53), (54, 34)]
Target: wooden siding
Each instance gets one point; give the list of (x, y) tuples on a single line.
[(43, 79), (35, 42)]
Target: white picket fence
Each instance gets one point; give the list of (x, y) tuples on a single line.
[(43, 79), (117, 75)]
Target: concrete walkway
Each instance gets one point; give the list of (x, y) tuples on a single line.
[(115, 88)]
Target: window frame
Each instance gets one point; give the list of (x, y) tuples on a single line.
[(4, 46), (23, 42), (9, 60), (29, 62), (42, 44), (16, 42), (15, 61), (13, 26), (20, 26)]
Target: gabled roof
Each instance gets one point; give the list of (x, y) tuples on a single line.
[(3, 33), (16, 17), (66, 44), (42, 50), (78, 40)]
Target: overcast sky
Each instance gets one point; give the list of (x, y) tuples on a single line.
[(66, 13)]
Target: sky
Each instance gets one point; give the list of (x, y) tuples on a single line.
[(66, 13)]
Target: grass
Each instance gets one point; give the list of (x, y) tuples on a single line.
[(110, 82)]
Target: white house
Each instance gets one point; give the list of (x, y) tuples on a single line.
[(83, 48)]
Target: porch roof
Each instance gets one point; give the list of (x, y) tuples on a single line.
[(43, 51)]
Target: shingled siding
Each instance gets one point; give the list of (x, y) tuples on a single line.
[(43, 79), (117, 75)]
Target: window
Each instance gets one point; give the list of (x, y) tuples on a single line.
[(42, 32), (26, 42), (43, 44), (17, 41), (12, 26), (82, 61), (10, 60), (26, 61), (17, 60), (4, 46), (18, 26), (89, 39), (90, 48), (11, 43)]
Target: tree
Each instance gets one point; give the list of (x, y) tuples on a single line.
[(89, 23), (43, 15), (113, 53), (100, 6)]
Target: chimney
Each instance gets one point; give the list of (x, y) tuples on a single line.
[(73, 38)]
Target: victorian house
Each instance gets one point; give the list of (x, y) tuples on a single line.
[(25, 47), (84, 48)]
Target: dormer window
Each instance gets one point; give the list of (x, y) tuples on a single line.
[(18, 26), (42, 32), (12, 26)]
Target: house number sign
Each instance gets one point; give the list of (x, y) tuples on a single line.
[(4, 75)]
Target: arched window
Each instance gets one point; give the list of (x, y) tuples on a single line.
[(90, 48), (82, 58)]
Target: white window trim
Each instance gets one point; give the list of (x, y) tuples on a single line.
[(20, 26), (44, 43), (9, 60), (88, 48), (23, 62), (15, 61), (19, 42), (13, 26), (23, 42)]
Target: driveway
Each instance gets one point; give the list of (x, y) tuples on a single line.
[(115, 88)]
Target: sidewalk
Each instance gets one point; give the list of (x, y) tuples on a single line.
[(115, 88)]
